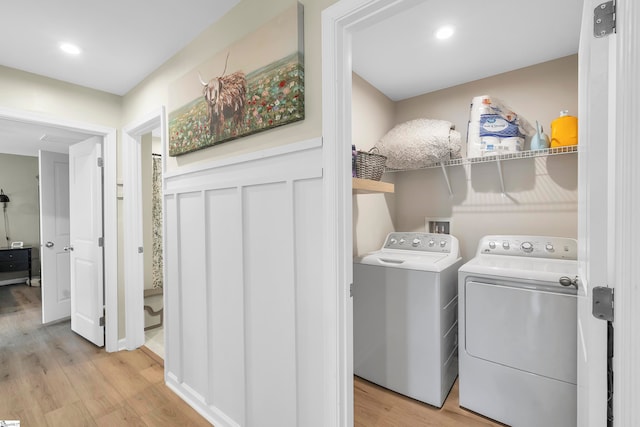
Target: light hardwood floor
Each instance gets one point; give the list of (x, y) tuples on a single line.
[(49, 376), (377, 406)]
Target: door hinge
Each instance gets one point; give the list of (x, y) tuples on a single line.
[(351, 290), (100, 242), (100, 162), (102, 321), (604, 19), (603, 303), (140, 249)]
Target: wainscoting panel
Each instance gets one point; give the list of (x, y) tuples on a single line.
[(269, 303), (243, 286), (308, 279), (226, 302), (193, 291), (172, 319)]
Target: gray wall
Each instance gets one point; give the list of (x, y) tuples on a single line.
[(18, 180)]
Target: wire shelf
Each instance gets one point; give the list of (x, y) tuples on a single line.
[(509, 156)]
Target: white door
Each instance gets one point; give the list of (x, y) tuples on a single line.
[(595, 225), (87, 285), (54, 232)]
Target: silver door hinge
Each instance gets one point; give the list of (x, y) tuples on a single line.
[(100, 162), (351, 290), (603, 303), (140, 249), (604, 19), (100, 242), (102, 321)]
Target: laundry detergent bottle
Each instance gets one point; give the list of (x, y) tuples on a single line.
[(564, 130)]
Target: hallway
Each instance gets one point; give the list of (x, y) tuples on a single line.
[(49, 376)]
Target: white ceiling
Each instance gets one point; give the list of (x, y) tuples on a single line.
[(401, 57), (123, 41)]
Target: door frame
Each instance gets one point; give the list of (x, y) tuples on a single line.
[(110, 207), (339, 22), (132, 220), (626, 203)]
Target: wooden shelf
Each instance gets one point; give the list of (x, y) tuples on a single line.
[(368, 186)]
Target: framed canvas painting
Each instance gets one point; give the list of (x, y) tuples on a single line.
[(254, 85)]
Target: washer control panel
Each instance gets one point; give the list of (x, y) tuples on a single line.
[(533, 246), (423, 242)]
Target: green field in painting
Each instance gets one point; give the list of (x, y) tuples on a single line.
[(275, 97)]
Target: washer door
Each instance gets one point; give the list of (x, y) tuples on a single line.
[(530, 330)]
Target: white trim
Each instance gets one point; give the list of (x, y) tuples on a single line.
[(245, 158), (193, 399), (132, 221), (15, 281), (338, 23), (110, 217), (627, 228)]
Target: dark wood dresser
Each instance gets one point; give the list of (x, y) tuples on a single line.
[(18, 259)]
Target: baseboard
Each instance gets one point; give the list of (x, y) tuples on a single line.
[(14, 281), (193, 399), (146, 350), (122, 344)]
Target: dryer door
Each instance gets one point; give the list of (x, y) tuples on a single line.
[(529, 330)]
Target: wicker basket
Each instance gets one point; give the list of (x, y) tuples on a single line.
[(370, 165)]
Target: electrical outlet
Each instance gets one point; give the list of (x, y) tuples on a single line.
[(438, 225)]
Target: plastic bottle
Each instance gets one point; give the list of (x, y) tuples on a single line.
[(540, 140), (564, 130)]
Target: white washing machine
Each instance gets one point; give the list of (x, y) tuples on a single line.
[(517, 327), (405, 315)]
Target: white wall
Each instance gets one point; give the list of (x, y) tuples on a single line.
[(538, 93), (18, 179), (541, 194), (247, 16), (29, 92), (373, 114)]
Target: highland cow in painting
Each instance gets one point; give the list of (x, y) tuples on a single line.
[(225, 97), (245, 93)]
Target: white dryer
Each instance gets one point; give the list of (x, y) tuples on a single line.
[(405, 315), (518, 334)]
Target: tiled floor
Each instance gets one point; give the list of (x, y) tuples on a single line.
[(154, 340)]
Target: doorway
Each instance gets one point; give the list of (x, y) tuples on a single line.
[(144, 299), (37, 122), (337, 38), (151, 192)]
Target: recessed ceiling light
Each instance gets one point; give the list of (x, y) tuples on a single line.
[(444, 32), (69, 48)]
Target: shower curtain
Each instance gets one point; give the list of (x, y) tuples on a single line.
[(157, 221)]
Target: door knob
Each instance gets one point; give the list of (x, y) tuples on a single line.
[(68, 248), (49, 244), (567, 281)]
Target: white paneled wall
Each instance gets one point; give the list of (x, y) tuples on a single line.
[(244, 338)]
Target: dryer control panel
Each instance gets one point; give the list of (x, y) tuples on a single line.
[(423, 242), (529, 246)]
